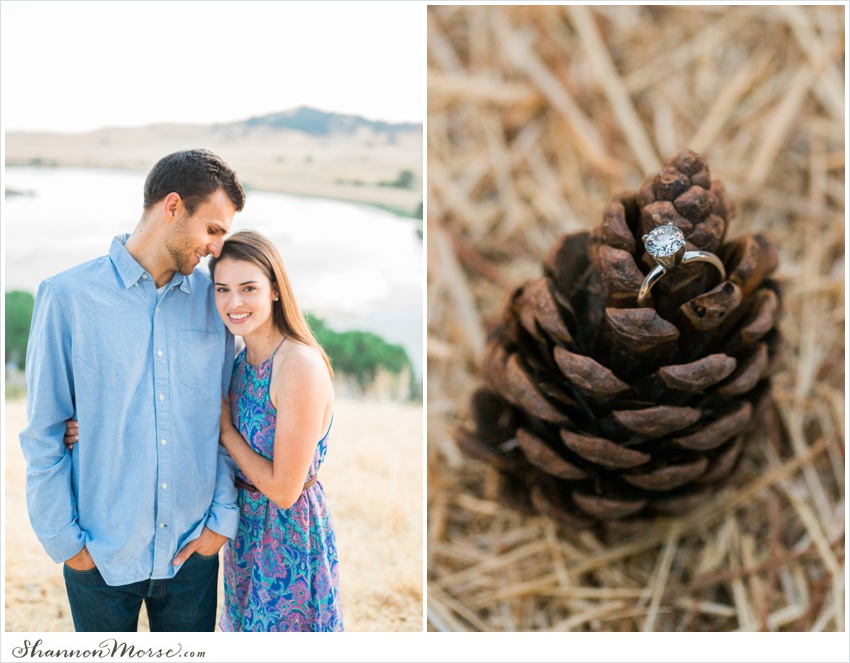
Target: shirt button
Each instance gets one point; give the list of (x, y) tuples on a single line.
[(144, 276), (159, 354), (136, 284), (161, 525), (164, 486), (164, 442), (161, 397)]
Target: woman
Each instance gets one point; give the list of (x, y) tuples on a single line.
[(280, 573), (281, 570)]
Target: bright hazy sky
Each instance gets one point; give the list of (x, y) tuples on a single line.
[(76, 66)]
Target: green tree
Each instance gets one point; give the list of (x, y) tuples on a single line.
[(404, 180), (19, 306), (358, 353)]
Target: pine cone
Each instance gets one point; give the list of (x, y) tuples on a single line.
[(595, 410)]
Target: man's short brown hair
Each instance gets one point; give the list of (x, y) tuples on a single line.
[(195, 175)]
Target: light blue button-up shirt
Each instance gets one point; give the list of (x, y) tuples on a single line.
[(143, 373)]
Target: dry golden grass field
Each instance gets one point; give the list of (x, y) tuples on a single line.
[(537, 117), (373, 480)]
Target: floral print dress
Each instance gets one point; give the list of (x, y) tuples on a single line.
[(281, 571)]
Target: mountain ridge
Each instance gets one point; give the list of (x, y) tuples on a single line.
[(306, 119), (321, 123)]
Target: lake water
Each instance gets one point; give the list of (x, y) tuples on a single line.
[(356, 266)]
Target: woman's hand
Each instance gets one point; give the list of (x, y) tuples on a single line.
[(226, 420), (72, 434)]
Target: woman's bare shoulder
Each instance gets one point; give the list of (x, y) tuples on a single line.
[(300, 376), (302, 362)]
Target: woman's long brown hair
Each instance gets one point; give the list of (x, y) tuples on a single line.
[(251, 246)]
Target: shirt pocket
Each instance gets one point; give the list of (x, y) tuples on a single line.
[(200, 357)]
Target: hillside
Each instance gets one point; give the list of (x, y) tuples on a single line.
[(302, 151), (319, 123)]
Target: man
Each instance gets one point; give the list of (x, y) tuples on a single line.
[(130, 345)]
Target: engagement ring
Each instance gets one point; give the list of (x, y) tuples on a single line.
[(666, 245)]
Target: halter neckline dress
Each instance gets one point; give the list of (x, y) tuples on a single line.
[(281, 571)]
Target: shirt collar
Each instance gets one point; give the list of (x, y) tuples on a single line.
[(130, 271)]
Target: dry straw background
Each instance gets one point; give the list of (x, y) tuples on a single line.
[(537, 116)]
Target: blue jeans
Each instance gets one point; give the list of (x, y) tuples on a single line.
[(186, 602)]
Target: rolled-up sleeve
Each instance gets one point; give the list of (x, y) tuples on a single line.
[(224, 511), (50, 402)]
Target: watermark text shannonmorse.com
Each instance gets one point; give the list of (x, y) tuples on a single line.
[(109, 648)]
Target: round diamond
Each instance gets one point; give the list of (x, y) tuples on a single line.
[(663, 241)]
